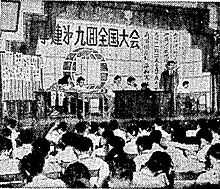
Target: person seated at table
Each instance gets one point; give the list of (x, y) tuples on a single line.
[(155, 173), (77, 176), (31, 167), (131, 85), (82, 128), (98, 168), (144, 146), (145, 87), (24, 144), (66, 82), (80, 84), (212, 174), (116, 85), (186, 98), (81, 88)]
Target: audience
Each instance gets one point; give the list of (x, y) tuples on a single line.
[(108, 154)]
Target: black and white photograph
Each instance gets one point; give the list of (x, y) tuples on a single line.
[(138, 82)]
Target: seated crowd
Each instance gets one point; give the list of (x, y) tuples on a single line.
[(149, 154)]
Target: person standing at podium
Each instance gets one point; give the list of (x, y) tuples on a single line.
[(169, 81)]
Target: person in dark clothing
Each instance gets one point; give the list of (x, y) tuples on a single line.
[(169, 81)]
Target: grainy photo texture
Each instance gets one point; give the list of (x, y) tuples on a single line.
[(109, 94)]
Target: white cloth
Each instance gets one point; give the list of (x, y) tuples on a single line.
[(41, 181), (21, 151), (98, 165), (67, 155), (146, 179)]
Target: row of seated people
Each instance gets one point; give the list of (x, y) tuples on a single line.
[(143, 154)]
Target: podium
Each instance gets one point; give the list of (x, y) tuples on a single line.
[(138, 104)]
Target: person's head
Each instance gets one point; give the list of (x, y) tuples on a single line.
[(185, 84), (102, 127), (159, 161), (144, 86), (41, 145), (66, 79), (62, 126), (26, 136), (121, 171), (113, 124), (132, 130), (170, 65), (131, 81), (178, 134), (116, 142), (144, 143), (156, 136), (76, 175), (204, 136), (80, 81), (84, 144), (82, 127), (31, 165), (5, 132), (11, 122), (5, 146), (117, 79), (158, 122), (213, 155)]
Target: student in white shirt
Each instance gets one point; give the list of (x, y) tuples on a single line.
[(31, 167), (144, 146), (98, 168), (55, 133), (155, 173), (212, 174), (24, 144)]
